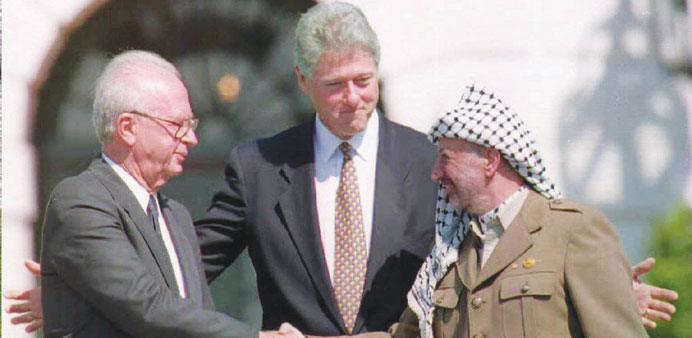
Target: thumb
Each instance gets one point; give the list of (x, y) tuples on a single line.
[(33, 266), (643, 267), (286, 327)]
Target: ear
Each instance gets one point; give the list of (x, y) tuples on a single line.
[(126, 128), (302, 80), (493, 159)]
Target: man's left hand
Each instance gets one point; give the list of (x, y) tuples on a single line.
[(651, 300)]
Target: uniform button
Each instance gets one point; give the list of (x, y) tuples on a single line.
[(529, 263), (525, 288), (477, 302), (478, 335)]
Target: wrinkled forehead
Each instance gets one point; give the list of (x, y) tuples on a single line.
[(165, 93), (357, 56), (459, 144)]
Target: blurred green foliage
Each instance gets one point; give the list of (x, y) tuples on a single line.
[(672, 248)]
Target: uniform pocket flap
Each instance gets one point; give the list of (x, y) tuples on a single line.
[(447, 298), (535, 284)]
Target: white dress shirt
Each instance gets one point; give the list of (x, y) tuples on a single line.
[(142, 196), (328, 162)]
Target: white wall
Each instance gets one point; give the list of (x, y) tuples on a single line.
[(30, 29)]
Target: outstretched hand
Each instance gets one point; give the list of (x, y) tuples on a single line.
[(651, 300), (30, 310)]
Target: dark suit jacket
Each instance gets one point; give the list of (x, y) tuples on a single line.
[(267, 203), (105, 273)]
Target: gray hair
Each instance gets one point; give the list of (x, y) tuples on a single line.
[(332, 26), (116, 91)]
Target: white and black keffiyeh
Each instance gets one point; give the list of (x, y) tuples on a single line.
[(481, 118)]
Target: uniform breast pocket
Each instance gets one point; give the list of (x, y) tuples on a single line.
[(446, 301), (518, 297)]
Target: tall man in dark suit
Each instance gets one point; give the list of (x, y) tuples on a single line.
[(324, 264), (120, 259)]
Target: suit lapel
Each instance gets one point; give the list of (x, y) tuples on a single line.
[(297, 209), (516, 239), (126, 199)]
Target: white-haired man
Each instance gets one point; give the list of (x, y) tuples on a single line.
[(119, 258)]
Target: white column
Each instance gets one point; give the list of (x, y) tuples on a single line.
[(30, 30)]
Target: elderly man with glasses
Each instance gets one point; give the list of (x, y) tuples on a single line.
[(119, 258)]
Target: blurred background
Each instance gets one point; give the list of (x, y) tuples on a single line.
[(606, 87)]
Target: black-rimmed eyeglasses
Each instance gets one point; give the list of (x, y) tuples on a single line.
[(183, 127)]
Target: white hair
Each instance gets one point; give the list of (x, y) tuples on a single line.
[(116, 90)]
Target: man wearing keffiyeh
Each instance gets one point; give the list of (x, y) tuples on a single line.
[(511, 258)]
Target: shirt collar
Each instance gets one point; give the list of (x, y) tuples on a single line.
[(141, 194), (364, 143), (507, 210)]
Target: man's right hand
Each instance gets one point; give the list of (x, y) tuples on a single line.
[(31, 309)]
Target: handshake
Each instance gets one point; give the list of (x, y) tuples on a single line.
[(285, 331)]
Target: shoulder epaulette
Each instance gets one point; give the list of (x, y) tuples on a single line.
[(565, 204)]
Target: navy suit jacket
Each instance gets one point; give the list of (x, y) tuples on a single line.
[(267, 204)]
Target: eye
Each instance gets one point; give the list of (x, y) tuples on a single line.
[(363, 80)]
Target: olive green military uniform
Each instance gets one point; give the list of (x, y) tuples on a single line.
[(559, 270)]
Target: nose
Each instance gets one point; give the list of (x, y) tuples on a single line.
[(351, 95), (190, 138), (436, 174)]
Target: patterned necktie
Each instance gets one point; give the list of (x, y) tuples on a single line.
[(351, 254)]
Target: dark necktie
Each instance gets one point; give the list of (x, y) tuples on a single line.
[(153, 213), (351, 256)]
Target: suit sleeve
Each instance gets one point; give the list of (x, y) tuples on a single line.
[(86, 245), (221, 232), (599, 279)]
